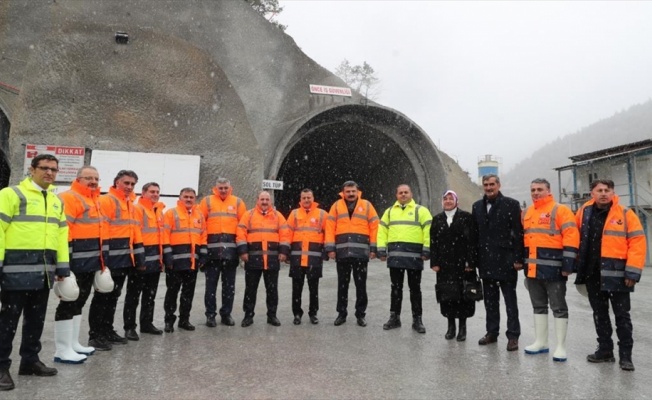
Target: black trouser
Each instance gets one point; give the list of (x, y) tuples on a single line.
[(213, 270), (414, 282), (103, 305), (32, 304), (68, 309), (359, 269), (184, 280), (145, 284), (297, 290), (492, 289), (252, 279), (620, 302)]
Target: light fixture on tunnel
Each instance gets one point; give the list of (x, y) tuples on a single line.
[(121, 37)]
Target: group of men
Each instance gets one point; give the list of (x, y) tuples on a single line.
[(604, 243), (45, 237)]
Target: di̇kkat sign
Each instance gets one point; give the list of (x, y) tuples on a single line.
[(70, 159)]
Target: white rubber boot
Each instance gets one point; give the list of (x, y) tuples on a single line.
[(62, 340), (561, 327), (76, 346), (540, 344)]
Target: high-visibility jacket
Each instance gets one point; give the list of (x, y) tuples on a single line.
[(186, 233), (404, 235), (263, 237), (33, 238), (125, 239), (222, 218), (623, 249), (307, 229), (551, 240), (152, 226), (87, 228), (355, 236)]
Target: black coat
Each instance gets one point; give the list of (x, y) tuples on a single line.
[(452, 248), (500, 237)]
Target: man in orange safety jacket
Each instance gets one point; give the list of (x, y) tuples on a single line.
[(307, 225), (611, 259), (351, 231), (186, 233), (263, 240)]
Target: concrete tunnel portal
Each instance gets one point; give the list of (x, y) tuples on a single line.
[(374, 146)]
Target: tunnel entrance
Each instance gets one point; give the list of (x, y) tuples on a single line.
[(373, 146), (5, 169)]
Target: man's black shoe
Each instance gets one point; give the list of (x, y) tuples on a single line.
[(314, 320), (6, 383), (486, 339), (417, 325), (151, 329), (339, 320), (601, 356), (362, 322), (169, 327), (626, 364), (273, 321), (210, 322), (228, 320), (131, 334), (297, 320), (186, 325), (100, 344), (393, 322), (247, 321), (114, 338), (37, 368)]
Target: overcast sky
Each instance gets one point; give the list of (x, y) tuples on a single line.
[(501, 78)]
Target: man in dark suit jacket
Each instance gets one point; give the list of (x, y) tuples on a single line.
[(500, 250)]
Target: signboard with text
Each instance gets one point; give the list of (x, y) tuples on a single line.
[(70, 159), (330, 90), (273, 185)]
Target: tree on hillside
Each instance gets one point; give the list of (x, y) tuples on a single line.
[(361, 78), (268, 9)]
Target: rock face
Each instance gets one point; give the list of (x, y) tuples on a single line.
[(209, 78)]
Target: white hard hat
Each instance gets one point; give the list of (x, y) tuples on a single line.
[(103, 282), (581, 288), (67, 290)]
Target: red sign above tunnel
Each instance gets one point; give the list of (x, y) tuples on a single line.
[(330, 90)]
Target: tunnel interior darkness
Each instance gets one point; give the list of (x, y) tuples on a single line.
[(5, 169), (330, 154)]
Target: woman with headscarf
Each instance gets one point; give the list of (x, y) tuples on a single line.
[(452, 257)]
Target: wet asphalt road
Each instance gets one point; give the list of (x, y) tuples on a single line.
[(324, 361)]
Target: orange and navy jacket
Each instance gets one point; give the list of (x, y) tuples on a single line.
[(152, 227), (355, 236), (307, 228), (125, 239), (551, 240), (263, 237), (186, 233), (87, 229), (622, 254), (222, 218)]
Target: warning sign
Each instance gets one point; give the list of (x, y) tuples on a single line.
[(70, 159)]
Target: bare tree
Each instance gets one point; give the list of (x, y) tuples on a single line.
[(361, 78)]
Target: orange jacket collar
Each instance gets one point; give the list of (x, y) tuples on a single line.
[(182, 206), (543, 201), (147, 203), (217, 193), (121, 195), (312, 206), (85, 190)]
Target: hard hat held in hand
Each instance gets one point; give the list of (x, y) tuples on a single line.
[(67, 290), (103, 282)]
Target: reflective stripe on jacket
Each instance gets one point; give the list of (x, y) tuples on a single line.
[(307, 229), (125, 239), (87, 228), (263, 237), (404, 235), (33, 238), (222, 218), (186, 233), (623, 246), (152, 226), (355, 236), (551, 240)]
